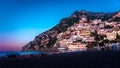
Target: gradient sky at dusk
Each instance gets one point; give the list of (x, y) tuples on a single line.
[(22, 20)]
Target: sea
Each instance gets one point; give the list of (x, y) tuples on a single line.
[(2, 54)]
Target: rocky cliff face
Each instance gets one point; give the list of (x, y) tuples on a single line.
[(46, 40), (115, 17)]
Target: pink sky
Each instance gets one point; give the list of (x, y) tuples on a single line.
[(11, 45), (15, 40)]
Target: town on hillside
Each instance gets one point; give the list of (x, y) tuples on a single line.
[(89, 35)]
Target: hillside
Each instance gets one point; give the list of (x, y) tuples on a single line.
[(50, 40)]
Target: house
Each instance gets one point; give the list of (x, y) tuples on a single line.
[(118, 32), (77, 47), (111, 36)]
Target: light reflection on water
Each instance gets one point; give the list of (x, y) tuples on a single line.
[(21, 53)]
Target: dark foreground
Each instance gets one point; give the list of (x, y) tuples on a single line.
[(96, 59)]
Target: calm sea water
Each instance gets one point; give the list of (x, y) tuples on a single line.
[(17, 52)]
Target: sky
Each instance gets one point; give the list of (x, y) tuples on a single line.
[(22, 20)]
